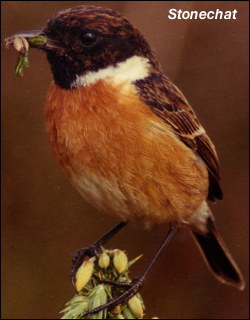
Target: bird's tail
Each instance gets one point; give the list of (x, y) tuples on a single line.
[(218, 257)]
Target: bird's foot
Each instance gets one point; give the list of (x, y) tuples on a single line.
[(78, 258), (131, 289), (91, 251)]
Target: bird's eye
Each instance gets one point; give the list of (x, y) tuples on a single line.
[(89, 38)]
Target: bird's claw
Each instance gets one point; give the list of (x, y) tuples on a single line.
[(134, 287), (78, 258)]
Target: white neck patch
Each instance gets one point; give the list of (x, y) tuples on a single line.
[(132, 69)]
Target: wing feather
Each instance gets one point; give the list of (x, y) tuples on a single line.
[(168, 102)]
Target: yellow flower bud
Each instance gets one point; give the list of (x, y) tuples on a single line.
[(84, 274), (120, 260), (104, 260), (117, 309), (135, 306), (119, 316)]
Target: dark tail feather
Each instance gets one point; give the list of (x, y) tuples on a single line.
[(218, 257)]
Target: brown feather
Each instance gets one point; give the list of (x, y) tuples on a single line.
[(168, 103), (124, 160)]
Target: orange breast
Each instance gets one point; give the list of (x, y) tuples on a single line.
[(122, 158)]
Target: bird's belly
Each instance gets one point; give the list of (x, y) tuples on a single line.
[(117, 199), (124, 161)]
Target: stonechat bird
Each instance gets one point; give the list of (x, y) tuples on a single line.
[(126, 136)]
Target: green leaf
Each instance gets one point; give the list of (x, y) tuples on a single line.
[(134, 260), (77, 310), (128, 314), (38, 40)]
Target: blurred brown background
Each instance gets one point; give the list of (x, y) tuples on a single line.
[(45, 219)]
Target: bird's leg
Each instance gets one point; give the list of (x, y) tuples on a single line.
[(90, 251), (133, 287)]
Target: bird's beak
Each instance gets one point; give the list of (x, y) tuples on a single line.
[(35, 39)]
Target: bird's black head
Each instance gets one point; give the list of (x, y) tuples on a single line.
[(87, 38)]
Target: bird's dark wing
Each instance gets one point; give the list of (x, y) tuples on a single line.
[(167, 102)]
